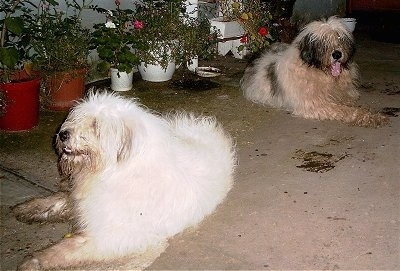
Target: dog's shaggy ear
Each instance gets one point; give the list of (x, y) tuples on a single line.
[(115, 138), (349, 47), (311, 50), (125, 144)]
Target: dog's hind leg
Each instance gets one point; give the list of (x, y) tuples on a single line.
[(54, 208), (352, 115)]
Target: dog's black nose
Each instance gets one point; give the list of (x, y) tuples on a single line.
[(64, 135), (336, 55)]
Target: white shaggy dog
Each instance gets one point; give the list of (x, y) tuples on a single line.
[(313, 77), (135, 179)]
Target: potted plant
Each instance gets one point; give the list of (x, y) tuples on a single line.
[(114, 43), (230, 30), (199, 41), (158, 30), (167, 36), (62, 45), (252, 25), (255, 18), (157, 35), (19, 86)]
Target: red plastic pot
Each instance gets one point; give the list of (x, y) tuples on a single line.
[(21, 111)]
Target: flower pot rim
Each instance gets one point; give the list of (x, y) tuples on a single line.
[(21, 76), (113, 68), (83, 70)]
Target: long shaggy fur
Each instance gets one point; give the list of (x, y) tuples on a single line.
[(313, 77), (137, 178)]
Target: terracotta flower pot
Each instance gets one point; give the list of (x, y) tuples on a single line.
[(64, 88), (21, 109)]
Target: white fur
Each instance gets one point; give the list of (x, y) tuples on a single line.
[(179, 170), (138, 178)]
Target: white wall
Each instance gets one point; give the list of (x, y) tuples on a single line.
[(90, 17)]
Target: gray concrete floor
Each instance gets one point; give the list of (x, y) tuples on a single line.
[(341, 212)]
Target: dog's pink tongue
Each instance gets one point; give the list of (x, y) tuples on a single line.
[(335, 68)]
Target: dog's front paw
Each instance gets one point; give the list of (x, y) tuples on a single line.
[(372, 120), (382, 120), (29, 211), (30, 263), (53, 208), (378, 120)]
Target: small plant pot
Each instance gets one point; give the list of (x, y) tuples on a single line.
[(155, 73), (230, 31), (63, 89), (350, 23), (121, 81), (21, 110), (235, 49), (193, 64)]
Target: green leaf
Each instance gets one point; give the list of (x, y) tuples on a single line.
[(8, 57), (52, 2), (14, 25), (133, 58), (104, 52), (103, 66), (123, 67)]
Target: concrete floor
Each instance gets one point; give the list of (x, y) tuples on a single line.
[(340, 212)]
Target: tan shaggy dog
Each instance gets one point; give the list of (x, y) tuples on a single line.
[(313, 77)]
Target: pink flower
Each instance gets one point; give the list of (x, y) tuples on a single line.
[(138, 24)]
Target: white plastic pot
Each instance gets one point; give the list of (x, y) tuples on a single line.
[(350, 23), (155, 73), (121, 81)]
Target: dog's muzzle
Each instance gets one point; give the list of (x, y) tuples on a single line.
[(64, 136), (336, 65), (336, 55)]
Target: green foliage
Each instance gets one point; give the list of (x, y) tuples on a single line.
[(199, 39), (169, 33), (114, 41), (16, 21), (152, 32), (263, 21), (256, 19), (43, 34), (60, 40), (14, 25)]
